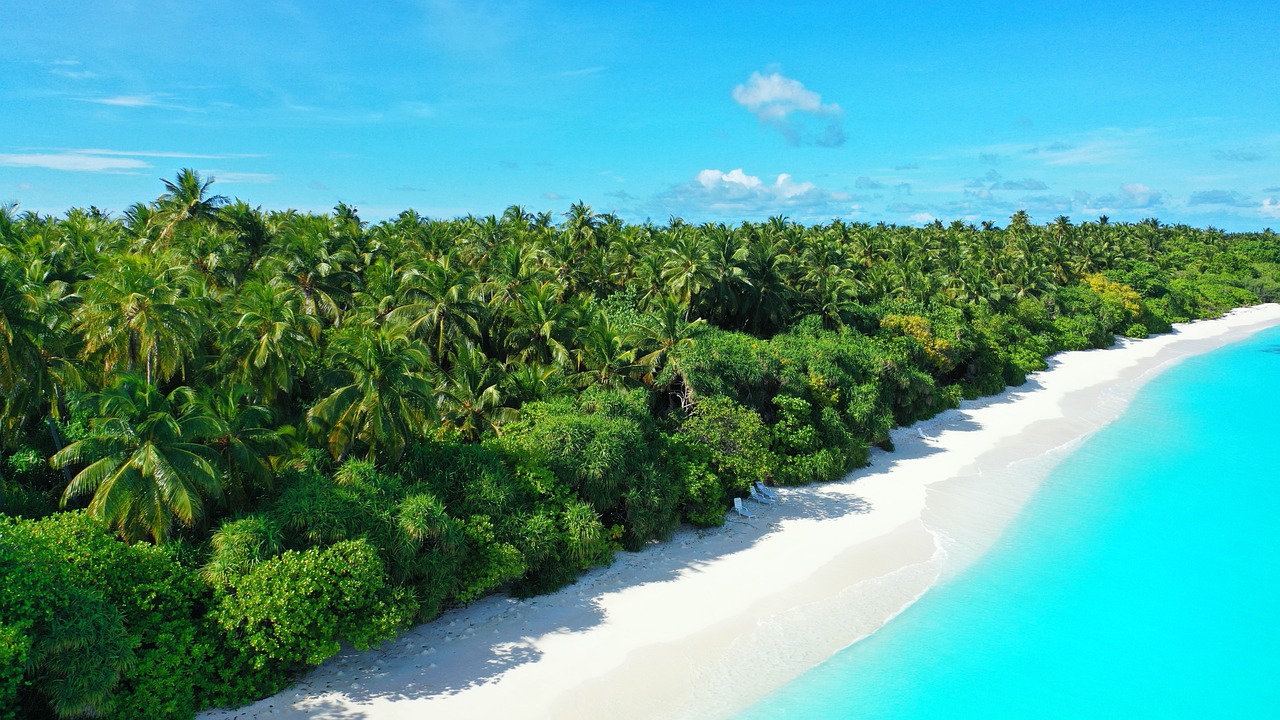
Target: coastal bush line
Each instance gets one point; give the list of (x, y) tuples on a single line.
[(234, 439)]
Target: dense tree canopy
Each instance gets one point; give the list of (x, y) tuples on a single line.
[(378, 421)]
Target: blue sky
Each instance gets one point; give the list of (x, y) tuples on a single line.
[(897, 112)]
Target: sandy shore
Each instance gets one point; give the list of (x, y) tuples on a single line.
[(706, 624)]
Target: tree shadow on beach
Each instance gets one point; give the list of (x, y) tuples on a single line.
[(478, 644)]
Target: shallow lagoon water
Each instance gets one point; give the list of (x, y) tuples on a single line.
[(1141, 581)]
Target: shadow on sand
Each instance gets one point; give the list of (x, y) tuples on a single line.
[(477, 644)]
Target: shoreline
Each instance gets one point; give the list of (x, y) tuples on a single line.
[(710, 621)]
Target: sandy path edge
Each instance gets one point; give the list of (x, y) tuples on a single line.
[(709, 622)]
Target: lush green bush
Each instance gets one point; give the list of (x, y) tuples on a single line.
[(299, 607), (596, 443), (703, 500), (15, 652), (734, 442), (109, 627)]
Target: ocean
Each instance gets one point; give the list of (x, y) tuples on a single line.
[(1141, 581)]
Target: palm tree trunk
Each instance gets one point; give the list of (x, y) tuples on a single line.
[(57, 444)]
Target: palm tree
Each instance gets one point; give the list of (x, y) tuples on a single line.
[(187, 200), (244, 438), (439, 305), (766, 301), (137, 317), (469, 399), (313, 262), (270, 340), (36, 350), (603, 357), (540, 320), (660, 333), (144, 464), (384, 394), (527, 382), (687, 269), (721, 299)]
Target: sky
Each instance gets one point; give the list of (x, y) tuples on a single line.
[(900, 112)]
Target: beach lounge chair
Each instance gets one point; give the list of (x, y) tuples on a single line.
[(741, 509), (759, 496), (764, 490)]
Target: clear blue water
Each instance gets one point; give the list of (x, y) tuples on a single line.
[(1143, 580)]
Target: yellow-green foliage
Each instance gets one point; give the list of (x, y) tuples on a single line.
[(1116, 294), (937, 350)]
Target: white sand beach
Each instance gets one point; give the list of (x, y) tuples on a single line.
[(709, 622)]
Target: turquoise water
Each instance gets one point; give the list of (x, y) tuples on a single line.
[(1141, 581)]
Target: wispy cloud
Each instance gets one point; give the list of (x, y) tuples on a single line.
[(1230, 198), (1240, 155), (1132, 196), (583, 71), (133, 101), (74, 161), (119, 161), (157, 101), (1270, 208), (1101, 147), (74, 74), (993, 180), (1023, 184), (246, 178), (788, 106), (418, 109), (1094, 152), (157, 154), (69, 69)]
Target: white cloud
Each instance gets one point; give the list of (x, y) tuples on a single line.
[(783, 103), (239, 177), (419, 109), (74, 74), (1232, 198), (1132, 196), (1240, 155), (735, 193), (118, 161), (74, 161), (1270, 207), (921, 218), (125, 101), (583, 71), (1023, 184), (154, 154), (1100, 147)]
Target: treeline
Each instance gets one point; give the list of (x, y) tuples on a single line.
[(234, 439)]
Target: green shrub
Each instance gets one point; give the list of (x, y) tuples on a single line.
[(736, 440), (1136, 330), (15, 652), (298, 607), (75, 643)]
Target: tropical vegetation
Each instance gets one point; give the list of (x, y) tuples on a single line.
[(233, 439)]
